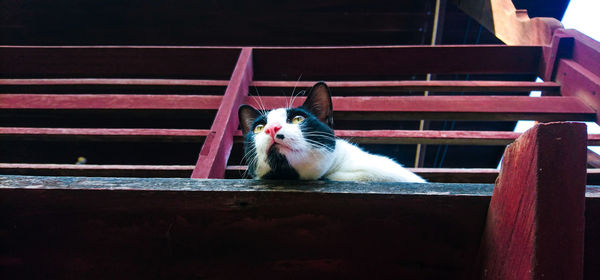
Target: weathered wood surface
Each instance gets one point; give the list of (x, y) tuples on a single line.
[(230, 229), (535, 222), (512, 26), (375, 87), (578, 71), (360, 86), (371, 107), (98, 228), (213, 156)]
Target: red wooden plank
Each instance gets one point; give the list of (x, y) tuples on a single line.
[(389, 62), (165, 82), (95, 170), (535, 222), (215, 151), (109, 101), (434, 86), (117, 62), (451, 137), (101, 134), (394, 107), (586, 51), (449, 107), (579, 82)]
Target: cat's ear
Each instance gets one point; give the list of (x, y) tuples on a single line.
[(247, 114), (318, 102)]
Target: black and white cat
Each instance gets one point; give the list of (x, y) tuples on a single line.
[(299, 143)]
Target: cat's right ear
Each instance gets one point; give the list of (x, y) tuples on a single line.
[(247, 114)]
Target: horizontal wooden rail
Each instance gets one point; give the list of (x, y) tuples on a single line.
[(136, 82), (371, 107), (448, 175), (449, 137), (109, 101), (448, 107), (433, 86), (103, 134), (361, 86)]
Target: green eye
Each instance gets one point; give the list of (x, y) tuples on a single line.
[(297, 119), (259, 128)]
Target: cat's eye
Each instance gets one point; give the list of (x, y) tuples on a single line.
[(297, 119), (259, 128)]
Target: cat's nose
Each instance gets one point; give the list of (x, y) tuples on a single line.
[(272, 129)]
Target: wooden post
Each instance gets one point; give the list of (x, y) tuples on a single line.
[(535, 221), (212, 160)]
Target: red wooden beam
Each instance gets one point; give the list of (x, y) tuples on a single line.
[(102, 134), (217, 146), (91, 81), (434, 86), (535, 222), (376, 107), (450, 137), (109, 101), (95, 170), (449, 107)]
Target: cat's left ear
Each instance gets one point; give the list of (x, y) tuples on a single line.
[(247, 114), (318, 102)]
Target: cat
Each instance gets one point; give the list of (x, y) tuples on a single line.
[(299, 143)]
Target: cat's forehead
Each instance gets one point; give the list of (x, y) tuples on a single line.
[(277, 115)]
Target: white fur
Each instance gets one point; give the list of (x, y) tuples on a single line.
[(346, 163)]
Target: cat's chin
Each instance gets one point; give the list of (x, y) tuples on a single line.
[(280, 148)]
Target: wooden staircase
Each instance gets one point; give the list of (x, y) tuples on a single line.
[(161, 111)]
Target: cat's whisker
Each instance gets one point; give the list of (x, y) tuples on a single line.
[(293, 90), (260, 103)]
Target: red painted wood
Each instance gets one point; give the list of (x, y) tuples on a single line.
[(560, 47), (535, 222), (212, 160), (467, 86), (492, 104), (452, 137), (95, 170), (109, 101), (389, 62), (586, 51), (407, 107), (105, 133), (165, 82), (579, 73), (577, 81), (448, 107)]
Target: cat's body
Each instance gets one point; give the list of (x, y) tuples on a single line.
[(299, 143)]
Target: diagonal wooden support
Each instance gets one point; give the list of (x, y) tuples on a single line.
[(535, 221), (217, 146)]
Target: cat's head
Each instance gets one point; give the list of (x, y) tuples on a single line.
[(289, 143)]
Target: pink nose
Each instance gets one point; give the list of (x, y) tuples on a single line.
[(272, 129)]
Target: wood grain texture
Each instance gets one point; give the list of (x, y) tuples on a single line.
[(369, 107), (213, 156), (535, 222), (232, 229), (450, 137), (433, 86)]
